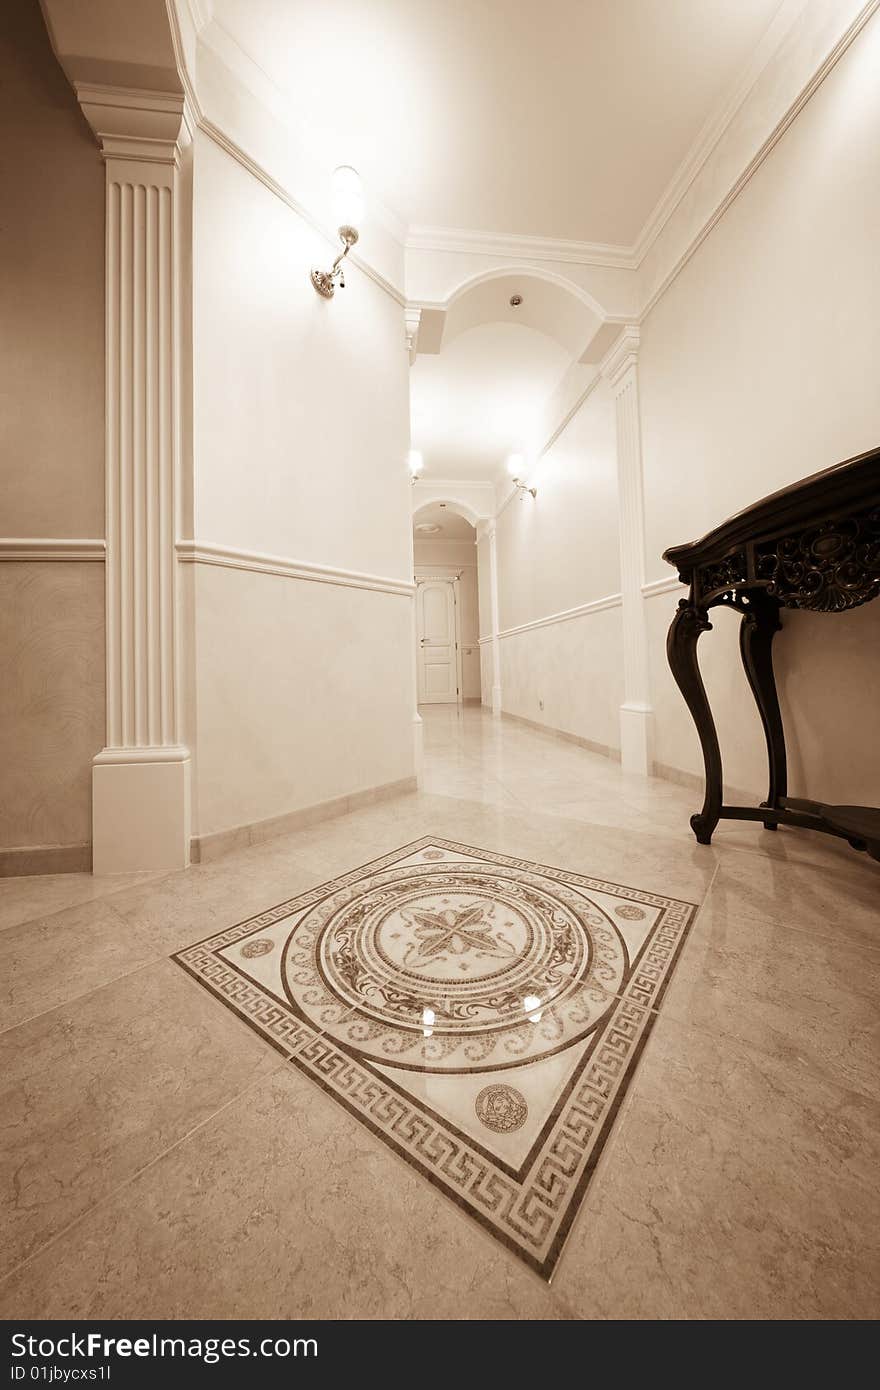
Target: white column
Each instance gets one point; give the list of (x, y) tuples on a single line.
[(418, 726), (488, 529), (620, 367), (141, 779)]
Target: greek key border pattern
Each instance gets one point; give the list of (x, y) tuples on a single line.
[(532, 1212)]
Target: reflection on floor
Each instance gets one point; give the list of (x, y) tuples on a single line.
[(419, 988), (162, 1159)]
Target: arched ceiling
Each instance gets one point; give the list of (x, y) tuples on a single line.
[(450, 524)]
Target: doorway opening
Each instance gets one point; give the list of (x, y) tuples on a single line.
[(447, 607)]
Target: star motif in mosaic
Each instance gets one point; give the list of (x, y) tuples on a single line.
[(481, 1014)]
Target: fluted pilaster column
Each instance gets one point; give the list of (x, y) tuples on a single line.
[(489, 530), (141, 779), (620, 368)]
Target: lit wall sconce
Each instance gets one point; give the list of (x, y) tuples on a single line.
[(516, 466), (348, 205), (416, 464)]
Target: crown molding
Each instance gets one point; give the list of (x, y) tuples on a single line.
[(715, 127), (216, 39), (196, 119), (569, 414), (728, 192), (698, 163), (228, 557), (512, 247), (201, 12), (51, 548)]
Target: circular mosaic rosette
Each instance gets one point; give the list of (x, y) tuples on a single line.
[(454, 967)]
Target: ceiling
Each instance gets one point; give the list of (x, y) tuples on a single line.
[(452, 526), (565, 119)]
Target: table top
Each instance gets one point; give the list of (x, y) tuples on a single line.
[(851, 486)]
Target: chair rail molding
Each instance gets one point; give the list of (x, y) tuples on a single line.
[(191, 552), (620, 368), (51, 548), (141, 779)]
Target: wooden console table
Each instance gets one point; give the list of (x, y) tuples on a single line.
[(814, 545)]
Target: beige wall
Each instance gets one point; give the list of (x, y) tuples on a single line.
[(440, 557), (51, 441), (558, 552), (302, 690), (300, 696), (761, 364)]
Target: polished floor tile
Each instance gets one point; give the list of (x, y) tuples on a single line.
[(280, 1138), (94, 1090)]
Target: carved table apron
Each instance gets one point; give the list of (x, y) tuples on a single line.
[(814, 545)]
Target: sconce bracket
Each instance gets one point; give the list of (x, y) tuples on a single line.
[(324, 281)]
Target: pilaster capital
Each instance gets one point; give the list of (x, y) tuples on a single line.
[(486, 529), (131, 124), (621, 356), (412, 317)]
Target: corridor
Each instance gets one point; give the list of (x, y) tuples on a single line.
[(172, 1151)]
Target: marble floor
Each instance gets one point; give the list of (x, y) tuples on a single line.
[(640, 1085)]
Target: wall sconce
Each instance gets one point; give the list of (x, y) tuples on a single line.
[(515, 466), (416, 463), (348, 205)]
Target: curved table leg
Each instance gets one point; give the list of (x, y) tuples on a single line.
[(760, 622), (681, 651)]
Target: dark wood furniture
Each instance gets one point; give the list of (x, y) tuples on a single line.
[(814, 545)]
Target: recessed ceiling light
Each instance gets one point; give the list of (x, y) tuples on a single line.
[(515, 301), (427, 527)]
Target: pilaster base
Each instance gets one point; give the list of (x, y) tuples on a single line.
[(140, 809), (496, 701), (418, 747), (636, 738)]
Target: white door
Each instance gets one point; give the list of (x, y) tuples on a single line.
[(437, 655)]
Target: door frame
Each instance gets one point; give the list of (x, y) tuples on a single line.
[(453, 577)]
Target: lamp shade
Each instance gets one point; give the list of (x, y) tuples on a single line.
[(416, 462), (515, 465), (348, 197)]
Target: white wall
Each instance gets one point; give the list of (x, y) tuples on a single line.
[(760, 365), (51, 444), (557, 552), (303, 691), (441, 557)]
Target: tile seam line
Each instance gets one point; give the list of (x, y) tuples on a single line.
[(127, 1182), (84, 902), (84, 994)]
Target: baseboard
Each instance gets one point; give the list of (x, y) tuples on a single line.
[(28, 860), (695, 781), (204, 848), (604, 749)]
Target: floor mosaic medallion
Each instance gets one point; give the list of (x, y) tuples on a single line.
[(480, 1014)]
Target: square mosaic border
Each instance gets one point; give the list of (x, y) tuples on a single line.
[(530, 1209)]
